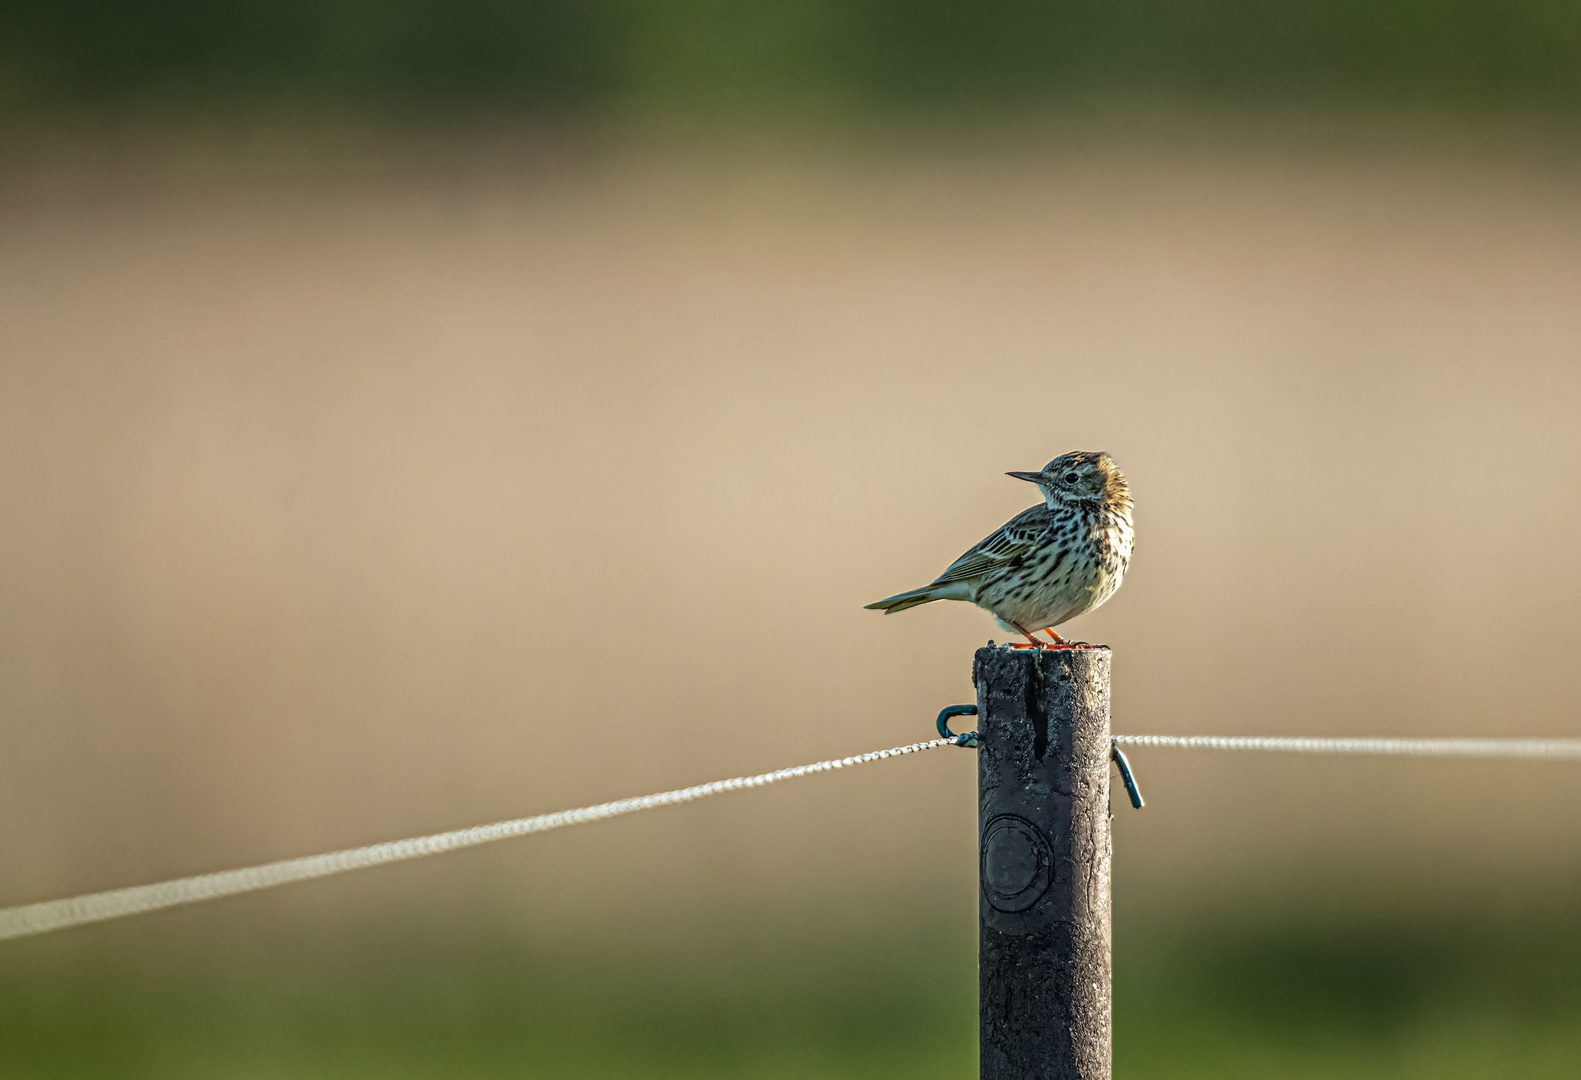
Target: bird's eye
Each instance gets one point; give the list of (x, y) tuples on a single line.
[(1071, 478)]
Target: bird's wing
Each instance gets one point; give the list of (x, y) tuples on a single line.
[(1003, 547)]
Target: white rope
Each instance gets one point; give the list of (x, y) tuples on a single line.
[(59, 914), (1483, 748), (94, 907)]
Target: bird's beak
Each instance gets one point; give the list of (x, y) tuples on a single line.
[(1034, 477)]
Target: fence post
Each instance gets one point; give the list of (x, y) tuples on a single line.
[(1043, 832)]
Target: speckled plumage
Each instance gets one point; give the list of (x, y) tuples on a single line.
[(1051, 562)]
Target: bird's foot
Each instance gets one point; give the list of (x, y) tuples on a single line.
[(1039, 644), (1036, 642)]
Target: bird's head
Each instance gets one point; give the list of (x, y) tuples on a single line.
[(1081, 476)]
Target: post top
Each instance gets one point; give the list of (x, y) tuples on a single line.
[(1021, 646), (1076, 656)]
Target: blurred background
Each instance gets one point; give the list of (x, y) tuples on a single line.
[(421, 414)]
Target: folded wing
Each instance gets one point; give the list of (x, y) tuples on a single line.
[(1003, 548)]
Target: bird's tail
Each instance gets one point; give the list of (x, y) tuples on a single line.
[(915, 597)]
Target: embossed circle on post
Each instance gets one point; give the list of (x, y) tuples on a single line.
[(1018, 863)]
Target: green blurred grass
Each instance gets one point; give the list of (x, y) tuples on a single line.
[(1385, 995), (790, 55), (1399, 995)]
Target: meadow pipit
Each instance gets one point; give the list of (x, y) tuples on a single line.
[(1051, 562)]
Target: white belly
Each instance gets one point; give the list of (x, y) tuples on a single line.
[(1079, 584)]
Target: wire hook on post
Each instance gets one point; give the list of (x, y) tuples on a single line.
[(1117, 756), (970, 739), (966, 738)]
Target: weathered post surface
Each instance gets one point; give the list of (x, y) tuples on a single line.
[(1043, 821)]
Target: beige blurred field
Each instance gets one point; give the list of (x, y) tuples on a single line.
[(354, 499)]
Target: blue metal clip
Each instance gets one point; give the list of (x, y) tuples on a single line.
[(1118, 757), (966, 738)]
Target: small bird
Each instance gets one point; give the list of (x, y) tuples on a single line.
[(1051, 562)]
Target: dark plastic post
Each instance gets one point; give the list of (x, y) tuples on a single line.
[(1043, 830)]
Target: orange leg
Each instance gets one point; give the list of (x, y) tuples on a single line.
[(1049, 630), (1037, 642)]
